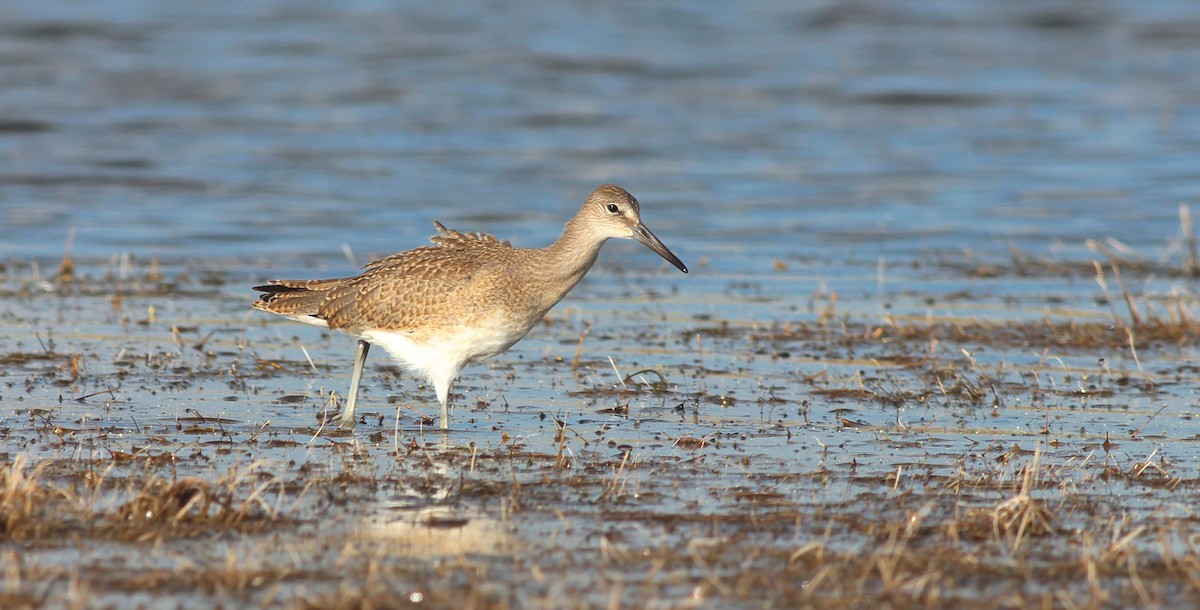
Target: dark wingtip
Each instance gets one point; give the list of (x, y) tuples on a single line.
[(270, 291)]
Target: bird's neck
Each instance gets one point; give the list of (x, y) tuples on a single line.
[(568, 259)]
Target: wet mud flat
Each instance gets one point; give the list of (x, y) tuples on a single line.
[(1016, 432)]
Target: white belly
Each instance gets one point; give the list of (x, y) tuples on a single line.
[(441, 358)]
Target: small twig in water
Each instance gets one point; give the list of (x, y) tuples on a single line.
[(1104, 288), (1134, 318), (662, 381), (579, 348), (614, 367), (309, 358), (109, 391), (1147, 422), (323, 416), (1133, 350), (199, 346)]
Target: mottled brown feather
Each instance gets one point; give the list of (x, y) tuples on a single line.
[(419, 288)]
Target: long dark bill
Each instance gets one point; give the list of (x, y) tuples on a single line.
[(643, 236)]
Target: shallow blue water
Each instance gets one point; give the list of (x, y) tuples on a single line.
[(281, 131)]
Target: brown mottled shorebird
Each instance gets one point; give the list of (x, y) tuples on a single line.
[(467, 297)]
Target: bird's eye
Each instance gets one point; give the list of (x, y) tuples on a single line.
[(613, 209)]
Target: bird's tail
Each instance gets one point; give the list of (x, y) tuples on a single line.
[(296, 299)]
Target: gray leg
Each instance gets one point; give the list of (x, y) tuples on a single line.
[(441, 385), (445, 416), (360, 359)]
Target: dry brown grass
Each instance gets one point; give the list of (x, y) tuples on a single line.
[(24, 499), (29, 586), (34, 506), (1017, 523)]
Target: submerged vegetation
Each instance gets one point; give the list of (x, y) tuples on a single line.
[(964, 450)]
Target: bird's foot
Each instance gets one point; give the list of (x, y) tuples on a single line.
[(340, 420)]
